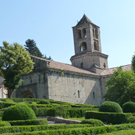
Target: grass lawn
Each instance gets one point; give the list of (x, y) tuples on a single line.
[(80, 119), (121, 132)]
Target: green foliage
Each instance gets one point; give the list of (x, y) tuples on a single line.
[(121, 86), (108, 117), (4, 123), (110, 106), (18, 112), (94, 122), (51, 112), (129, 107), (32, 48), (133, 63), (14, 61), (131, 119), (29, 122), (15, 129), (5, 104), (43, 102)]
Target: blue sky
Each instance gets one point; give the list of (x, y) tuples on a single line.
[(50, 22)]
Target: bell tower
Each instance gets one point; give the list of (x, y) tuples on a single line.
[(87, 45)]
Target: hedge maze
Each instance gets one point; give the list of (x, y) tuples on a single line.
[(18, 117)]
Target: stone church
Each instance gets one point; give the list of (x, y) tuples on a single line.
[(82, 82)]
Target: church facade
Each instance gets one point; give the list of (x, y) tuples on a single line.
[(82, 82)]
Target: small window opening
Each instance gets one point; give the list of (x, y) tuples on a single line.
[(83, 47), (96, 33), (93, 94), (104, 65), (96, 46), (84, 33), (78, 94), (93, 32), (79, 34), (81, 65)]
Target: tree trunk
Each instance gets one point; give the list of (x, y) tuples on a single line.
[(10, 92)]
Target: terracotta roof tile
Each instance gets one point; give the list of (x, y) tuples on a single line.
[(110, 71), (66, 67)]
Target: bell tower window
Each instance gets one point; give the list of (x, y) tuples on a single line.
[(84, 33), (96, 46), (79, 34), (83, 47), (104, 65)]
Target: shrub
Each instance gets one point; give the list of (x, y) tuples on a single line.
[(18, 112), (29, 122), (4, 123), (110, 106), (44, 102), (51, 112), (108, 117), (131, 119), (94, 122), (129, 107)]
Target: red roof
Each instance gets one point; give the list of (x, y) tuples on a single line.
[(67, 67)]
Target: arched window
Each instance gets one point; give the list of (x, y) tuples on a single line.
[(93, 94), (84, 33), (79, 34), (78, 94), (81, 65), (96, 33), (83, 47)]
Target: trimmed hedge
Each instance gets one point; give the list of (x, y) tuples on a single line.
[(5, 104), (29, 122), (4, 123), (44, 102), (18, 112), (94, 122), (114, 118), (15, 129), (129, 107), (110, 106), (51, 112), (131, 119), (80, 131)]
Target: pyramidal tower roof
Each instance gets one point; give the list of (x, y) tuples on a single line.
[(84, 19)]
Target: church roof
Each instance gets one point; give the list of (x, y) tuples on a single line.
[(110, 71), (84, 19), (70, 68), (66, 67)]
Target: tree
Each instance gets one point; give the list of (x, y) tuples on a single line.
[(121, 86), (32, 48), (133, 63), (14, 61)]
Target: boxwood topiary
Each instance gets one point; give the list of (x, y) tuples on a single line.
[(131, 119), (129, 107), (110, 106), (18, 112), (4, 123), (94, 122)]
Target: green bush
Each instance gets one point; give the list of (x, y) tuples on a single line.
[(131, 119), (18, 112), (94, 122), (5, 104), (16, 129), (108, 117), (41, 112), (51, 112), (129, 107), (110, 106), (4, 123), (44, 102), (29, 122)]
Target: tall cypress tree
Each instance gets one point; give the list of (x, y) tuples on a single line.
[(31, 47)]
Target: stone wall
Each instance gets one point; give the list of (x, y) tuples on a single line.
[(64, 86)]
